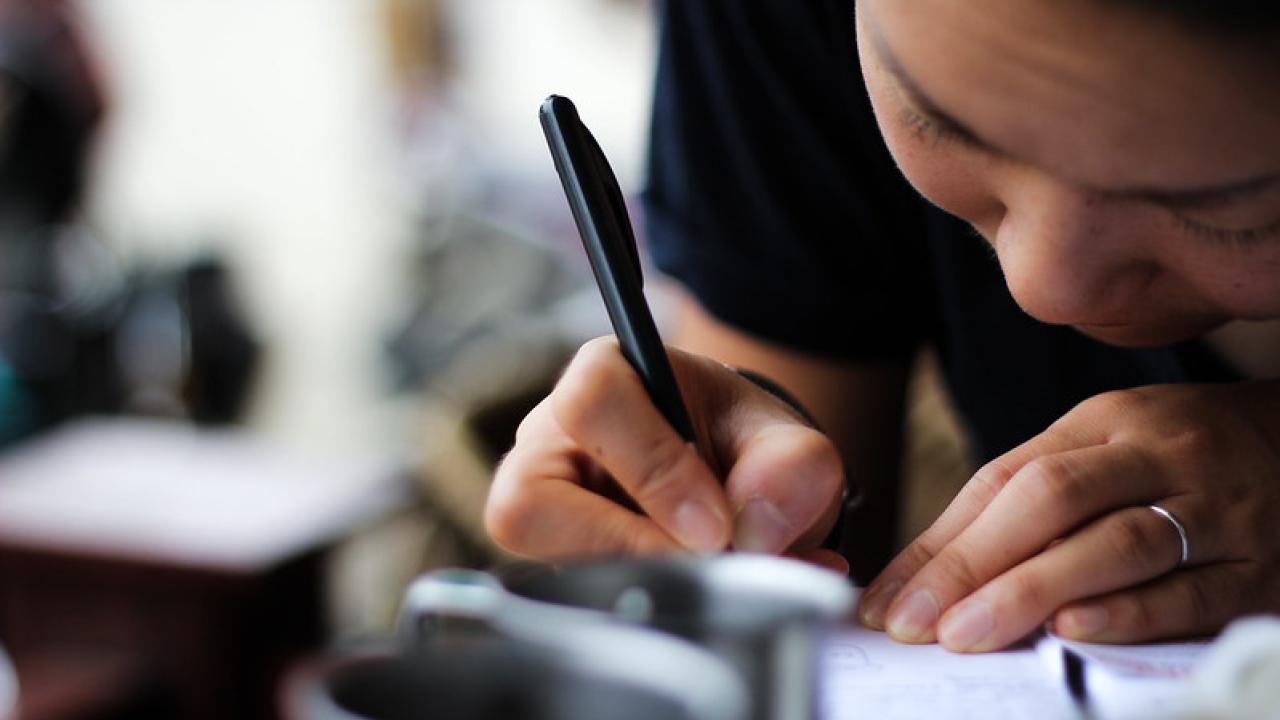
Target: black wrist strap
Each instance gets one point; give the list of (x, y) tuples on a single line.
[(849, 497), (776, 390)]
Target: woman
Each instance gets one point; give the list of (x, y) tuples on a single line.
[(1119, 164)]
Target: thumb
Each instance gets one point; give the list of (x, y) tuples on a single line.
[(784, 487)]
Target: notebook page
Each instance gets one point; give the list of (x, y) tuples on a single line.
[(868, 675)]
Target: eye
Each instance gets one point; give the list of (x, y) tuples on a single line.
[(923, 126), (1229, 236)]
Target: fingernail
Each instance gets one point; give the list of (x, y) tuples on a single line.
[(967, 626), (1082, 622), (761, 527), (876, 602), (700, 528), (914, 617)]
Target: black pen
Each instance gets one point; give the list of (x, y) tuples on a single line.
[(605, 227)]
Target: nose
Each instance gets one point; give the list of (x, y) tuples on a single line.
[(1067, 256)]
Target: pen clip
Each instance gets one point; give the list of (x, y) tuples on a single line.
[(617, 205)]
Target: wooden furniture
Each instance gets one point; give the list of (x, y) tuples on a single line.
[(154, 569)]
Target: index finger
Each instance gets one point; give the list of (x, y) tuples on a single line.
[(967, 505), (602, 405)]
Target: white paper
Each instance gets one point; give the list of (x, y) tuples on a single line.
[(1130, 682), (1158, 661), (868, 675)]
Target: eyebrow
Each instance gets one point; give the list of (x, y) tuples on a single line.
[(1178, 198)]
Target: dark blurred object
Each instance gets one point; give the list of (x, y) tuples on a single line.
[(79, 334), (223, 354), (193, 559), (486, 677), (212, 642), (166, 344), (182, 347), (77, 684), (50, 105), (766, 618)]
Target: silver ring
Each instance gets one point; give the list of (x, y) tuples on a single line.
[(1182, 531)]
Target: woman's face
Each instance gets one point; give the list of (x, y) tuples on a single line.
[(1125, 170)]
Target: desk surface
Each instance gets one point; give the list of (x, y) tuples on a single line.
[(170, 494)]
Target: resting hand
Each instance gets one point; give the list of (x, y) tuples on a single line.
[(1059, 529), (596, 469)]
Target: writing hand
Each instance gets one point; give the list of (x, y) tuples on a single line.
[(595, 468), (1060, 528)]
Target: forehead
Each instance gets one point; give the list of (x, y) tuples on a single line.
[(1090, 89)]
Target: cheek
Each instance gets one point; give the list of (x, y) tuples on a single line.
[(1244, 283)]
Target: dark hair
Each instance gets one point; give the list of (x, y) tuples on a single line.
[(1247, 17)]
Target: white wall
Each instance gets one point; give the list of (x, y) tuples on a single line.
[(273, 125)]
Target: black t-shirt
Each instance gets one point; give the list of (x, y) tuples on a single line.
[(772, 197)]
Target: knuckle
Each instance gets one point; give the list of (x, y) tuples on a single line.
[(1052, 485), (596, 349), (991, 479), (957, 570), (506, 520), (818, 455), (1133, 541), (1136, 616), (633, 538), (1199, 441), (584, 390), (1198, 601), (929, 545), (1116, 403), (615, 535), (1027, 591), (533, 423), (513, 509), (914, 556), (660, 476), (918, 554)]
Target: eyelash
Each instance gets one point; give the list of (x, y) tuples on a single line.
[(920, 125), (1230, 237), (923, 126)]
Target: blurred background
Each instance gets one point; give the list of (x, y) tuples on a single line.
[(277, 282)]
